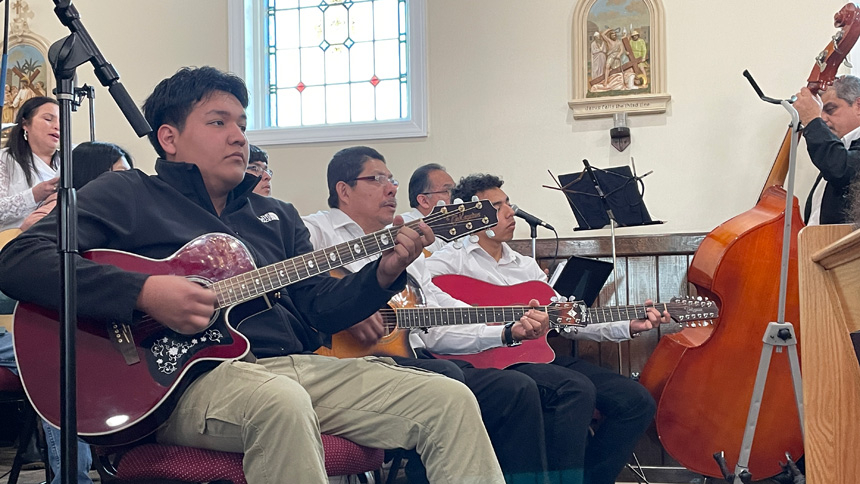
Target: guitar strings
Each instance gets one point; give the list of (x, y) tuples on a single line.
[(225, 287)]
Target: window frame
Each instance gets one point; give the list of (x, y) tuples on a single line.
[(245, 21)]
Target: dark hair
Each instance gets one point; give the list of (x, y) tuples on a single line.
[(93, 158), (420, 181), (472, 184), (258, 154), (345, 166), (19, 148), (173, 98)]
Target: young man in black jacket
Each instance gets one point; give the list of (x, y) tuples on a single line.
[(272, 409)]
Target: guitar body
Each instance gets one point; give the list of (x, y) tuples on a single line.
[(129, 375), (480, 293), (120, 401), (395, 343)]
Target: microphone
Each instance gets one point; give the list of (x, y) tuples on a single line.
[(531, 219)]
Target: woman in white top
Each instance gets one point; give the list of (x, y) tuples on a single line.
[(28, 164)]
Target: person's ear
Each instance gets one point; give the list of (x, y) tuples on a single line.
[(343, 191), (423, 201), (166, 136)]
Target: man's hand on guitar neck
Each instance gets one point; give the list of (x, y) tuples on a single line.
[(369, 331), (181, 305), (654, 319), (408, 246), (532, 325)]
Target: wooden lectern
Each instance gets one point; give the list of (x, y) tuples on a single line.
[(829, 271)]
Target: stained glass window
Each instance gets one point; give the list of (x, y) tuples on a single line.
[(336, 61)]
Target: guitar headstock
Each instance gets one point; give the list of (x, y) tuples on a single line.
[(457, 220), (565, 313), (692, 311), (827, 62)]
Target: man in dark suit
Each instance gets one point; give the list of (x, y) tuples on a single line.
[(832, 132)]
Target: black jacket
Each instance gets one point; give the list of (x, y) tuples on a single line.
[(154, 216), (837, 165)]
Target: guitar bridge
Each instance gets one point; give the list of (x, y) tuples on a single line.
[(123, 341)]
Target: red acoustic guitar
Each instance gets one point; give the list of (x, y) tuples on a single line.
[(473, 291), (130, 375)]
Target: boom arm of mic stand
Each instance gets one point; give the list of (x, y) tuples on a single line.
[(104, 71)]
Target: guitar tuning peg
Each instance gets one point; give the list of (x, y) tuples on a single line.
[(475, 198), (440, 203), (490, 233), (457, 200), (554, 299), (473, 239), (458, 244), (847, 64)]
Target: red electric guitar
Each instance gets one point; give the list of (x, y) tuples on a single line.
[(473, 291), (128, 376)]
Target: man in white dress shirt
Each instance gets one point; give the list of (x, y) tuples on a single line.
[(362, 199), (428, 185), (626, 407)]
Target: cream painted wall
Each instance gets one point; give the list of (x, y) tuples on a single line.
[(500, 78), (145, 42)]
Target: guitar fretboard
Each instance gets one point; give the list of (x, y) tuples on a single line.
[(608, 314), (410, 318), (253, 284)]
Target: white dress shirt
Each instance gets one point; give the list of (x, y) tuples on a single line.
[(328, 228), (512, 268), (16, 195)]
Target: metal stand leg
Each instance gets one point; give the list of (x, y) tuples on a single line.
[(777, 336)]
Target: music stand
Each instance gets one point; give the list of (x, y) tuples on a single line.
[(600, 197), (622, 193), (581, 278)]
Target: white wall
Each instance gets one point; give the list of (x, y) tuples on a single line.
[(500, 78)]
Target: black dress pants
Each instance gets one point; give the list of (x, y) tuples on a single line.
[(511, 410)]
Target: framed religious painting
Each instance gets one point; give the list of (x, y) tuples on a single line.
[(28, 72), (618, 58)]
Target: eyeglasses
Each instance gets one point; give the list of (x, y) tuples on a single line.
[(259, 170), (381, 179), (449, 191)]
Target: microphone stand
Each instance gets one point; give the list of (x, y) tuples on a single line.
[(533, 236), (90, 93), (612, 225), (65, 56)]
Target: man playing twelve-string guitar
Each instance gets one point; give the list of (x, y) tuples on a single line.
[(626, 406)]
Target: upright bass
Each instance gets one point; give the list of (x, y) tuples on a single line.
[(702, 378)]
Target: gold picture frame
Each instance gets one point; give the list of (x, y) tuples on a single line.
[(28, 72), (618, 58)]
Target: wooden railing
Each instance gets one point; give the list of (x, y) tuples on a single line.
[(829, 269)]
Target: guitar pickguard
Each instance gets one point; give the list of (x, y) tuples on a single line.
[(168, 351)]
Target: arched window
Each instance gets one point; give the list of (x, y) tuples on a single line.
[(330, 70)]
